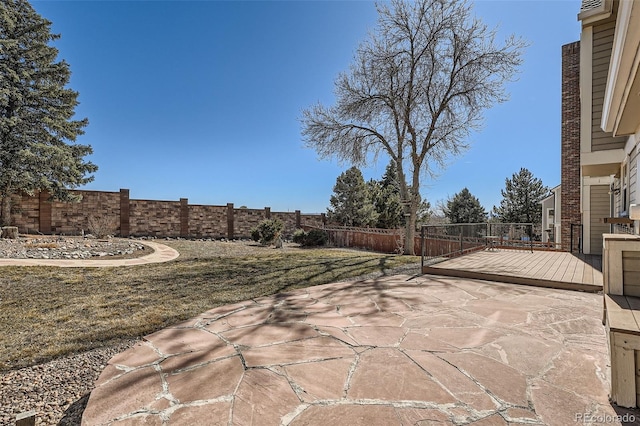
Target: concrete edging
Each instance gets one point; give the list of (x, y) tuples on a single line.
[(161, 253)]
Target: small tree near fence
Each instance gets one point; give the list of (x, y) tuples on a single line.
[(267, 231), (102, 226)]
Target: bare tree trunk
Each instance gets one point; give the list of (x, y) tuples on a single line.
[(405, 199), (412, 207), (409, 230), (410, 201), (5, 208)]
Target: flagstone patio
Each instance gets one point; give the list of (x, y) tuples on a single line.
[(398, 350)]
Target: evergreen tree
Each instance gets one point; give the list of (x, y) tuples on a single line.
[(521, 199), (351, 203), (465, 208), (387, 201), (424, 213), (37, 129), (386, 198)]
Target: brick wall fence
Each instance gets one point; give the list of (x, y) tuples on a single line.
[(131, 217), (570, 145)]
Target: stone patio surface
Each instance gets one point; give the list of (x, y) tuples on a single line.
[(397, 350)]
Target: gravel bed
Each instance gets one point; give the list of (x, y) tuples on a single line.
[(57, 390), (36, 247)]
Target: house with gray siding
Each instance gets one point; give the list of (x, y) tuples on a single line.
[(551, 213), (609, 121)]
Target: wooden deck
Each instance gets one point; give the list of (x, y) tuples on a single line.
[(539, 268)]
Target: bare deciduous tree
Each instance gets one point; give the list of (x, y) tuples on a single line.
[(417, 87)]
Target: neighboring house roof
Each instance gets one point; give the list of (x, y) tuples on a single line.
[(590, 5), (545, 199), (551, 194), (592, 11)]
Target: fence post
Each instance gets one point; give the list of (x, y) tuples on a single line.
[(230, 225), (461, 248), (125, 228), (421, 248), (571, 239), (184, 217), (531, 237)]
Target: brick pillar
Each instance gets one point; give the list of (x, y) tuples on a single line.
[(45, 213), (298, 221), (184, 217), (570, 144), (125, 229), (267, 212), (230, 225)]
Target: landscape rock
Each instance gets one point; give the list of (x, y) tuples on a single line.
[(66, 248)]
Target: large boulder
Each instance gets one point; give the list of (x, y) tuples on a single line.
[(10, 232)]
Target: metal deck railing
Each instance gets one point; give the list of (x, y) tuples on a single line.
[(441, 242)]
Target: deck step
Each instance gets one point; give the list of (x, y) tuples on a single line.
[(536, 282), (559, 270)]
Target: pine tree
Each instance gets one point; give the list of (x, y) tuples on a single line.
[(37, 129), (521, 199), (464, 207), (351, 203), (387, 200)]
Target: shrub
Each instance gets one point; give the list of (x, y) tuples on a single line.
[(102, 226), (315, 237), (299, 236), (267, 231)]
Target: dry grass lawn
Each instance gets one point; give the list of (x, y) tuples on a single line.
[(47, 312)]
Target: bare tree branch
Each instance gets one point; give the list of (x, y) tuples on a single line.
[(417, 88)]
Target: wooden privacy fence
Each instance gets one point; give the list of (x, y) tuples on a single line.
[(374, 239), (392, 241)]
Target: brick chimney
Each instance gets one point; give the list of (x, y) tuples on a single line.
[(570, 145)]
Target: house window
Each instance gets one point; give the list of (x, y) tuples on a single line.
[(550, 216)]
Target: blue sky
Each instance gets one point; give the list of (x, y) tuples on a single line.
[(202, 99)]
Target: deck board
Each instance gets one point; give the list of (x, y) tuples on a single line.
[(543, 264), (543, 268), (579, 272)]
